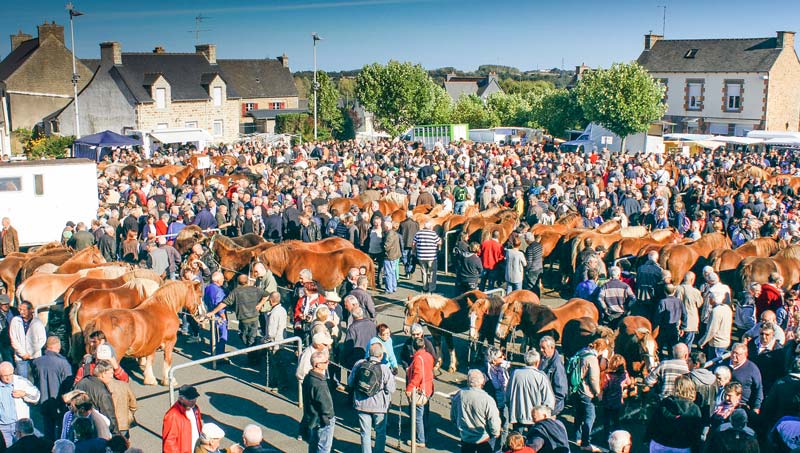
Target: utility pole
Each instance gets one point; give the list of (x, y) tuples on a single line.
[(198, 22), (315, 84), (663, 20), (72, 14)]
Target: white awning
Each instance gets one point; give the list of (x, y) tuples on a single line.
[(690, 137), (712, 145), (788, 141), (193, 135), (773, 134), (737, 140)]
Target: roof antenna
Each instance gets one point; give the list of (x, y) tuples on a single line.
[(663, 20), (198, 21)]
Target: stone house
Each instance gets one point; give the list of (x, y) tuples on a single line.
[(457, 86), (727, 86), (156, 91), (35, 81), (266, 88)]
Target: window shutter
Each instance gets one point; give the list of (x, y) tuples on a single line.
[(244, 109), (255, 106)]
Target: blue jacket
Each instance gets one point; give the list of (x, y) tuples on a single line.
[(205, 220), (52, 370), (554, 369)]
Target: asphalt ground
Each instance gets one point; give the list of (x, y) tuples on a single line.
[(234, 395)]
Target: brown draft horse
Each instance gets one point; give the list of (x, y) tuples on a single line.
[(485, 312), (329, 268), (187, 238), (757, 269), (582, 332), (44, 289), (632, 246), (82, 285), (128, 295), (636, 342), (439, 311), (13, 262), (726, 261), (54, 256), (141, 331), (86, 258), (680, 258), (232, 257), (537, 320)]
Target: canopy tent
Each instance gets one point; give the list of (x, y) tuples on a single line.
[(737, 140), (190, 135), (786, 141), (708, 144), (766, 135), (95, 146), (687, 137)]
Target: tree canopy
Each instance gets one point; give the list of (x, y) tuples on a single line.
[(625, 98)]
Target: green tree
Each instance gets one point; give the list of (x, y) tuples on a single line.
[(470, 110), (347, 88), (509, 109), (557, 111), (400, 95), (38, 146), (625, 99), (526, 87), (330, 116), (303, 85)]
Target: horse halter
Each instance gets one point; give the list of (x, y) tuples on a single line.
[(415, 318), (507, 324)]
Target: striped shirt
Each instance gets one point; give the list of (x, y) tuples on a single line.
[(427, 244), (666, 372)]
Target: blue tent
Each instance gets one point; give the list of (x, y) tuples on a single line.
[(91, 146)]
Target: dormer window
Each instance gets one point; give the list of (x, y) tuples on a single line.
[(690, 53)]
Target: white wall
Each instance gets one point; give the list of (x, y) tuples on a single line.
[(70, 193), (752, 97)]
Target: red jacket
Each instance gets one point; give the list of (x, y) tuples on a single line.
[(161, 227), (298, 308), (176, 433), (119, 373), (420, 372), (491, 254), (769, 299)]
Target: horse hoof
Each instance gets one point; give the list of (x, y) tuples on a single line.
[(150, 382), (452, 369)]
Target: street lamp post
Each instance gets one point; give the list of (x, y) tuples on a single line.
[(72, 14), (315, 85)]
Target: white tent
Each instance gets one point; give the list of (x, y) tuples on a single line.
[(737, 140), (766, 135), (688, 137), (787, 141)]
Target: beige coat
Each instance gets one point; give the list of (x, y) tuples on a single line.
[(124, 403)]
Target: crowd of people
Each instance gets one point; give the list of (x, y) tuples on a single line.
[(282, 193)]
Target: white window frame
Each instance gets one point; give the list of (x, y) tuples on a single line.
[(276, 105), (734, 101), (217, 96), (249, 106), (693, 98), (191, 124), (161, 126), (161, 98), (218, 128)]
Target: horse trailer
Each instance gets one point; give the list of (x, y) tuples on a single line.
[(40, 196)]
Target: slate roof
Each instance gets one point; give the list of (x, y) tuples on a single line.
[(457, 86), (184, 72), (263, 78), (18, 56), (713, 55)]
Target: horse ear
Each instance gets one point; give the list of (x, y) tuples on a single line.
[(642, 331), (655, 332)]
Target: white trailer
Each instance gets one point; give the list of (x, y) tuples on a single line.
[(40, 196)]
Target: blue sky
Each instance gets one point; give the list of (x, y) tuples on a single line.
[(528, 34)]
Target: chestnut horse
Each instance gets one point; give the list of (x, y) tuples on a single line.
[(636, 341), (54, 256), (13, 262), (187, 238), (632, 246), (491, 307), (439, 311), (538, 320), (44, 289), (329, 268), (581, 332), (128, 295), (141, 331), (680, 258), (81, 260), (757, 269), (726, 261), (77, 289), (233, 258)]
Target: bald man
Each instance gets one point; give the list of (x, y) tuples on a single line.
[(213, 295), (21, 392)]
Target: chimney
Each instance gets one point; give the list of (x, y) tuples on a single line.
[(650, 40), (18, 39), (284, 60), (785, 39), (158, 49), (51, 30), (110, 53), (207, 50)]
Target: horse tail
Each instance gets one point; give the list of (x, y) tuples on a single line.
[(575, 248), (72, 313), (715, 261), (20, 289), (745, 273), (78, 346), (614, 250)]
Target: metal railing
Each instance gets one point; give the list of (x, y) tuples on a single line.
[(447, 251), (227, 355), (39, 308), (170, 236)]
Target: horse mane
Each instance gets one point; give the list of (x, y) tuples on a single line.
[(789, 252), (496, 304), (143, 286), (632, 231), (435, 301), (170, 294), (605, 333), (534, 309), (567, 218), (716, 240), (661, 235), (609, 226), (141, 273), (224, 241), (188, 232)]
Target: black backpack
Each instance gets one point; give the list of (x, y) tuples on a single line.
[(369, 378)]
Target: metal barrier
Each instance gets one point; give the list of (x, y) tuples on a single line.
[(226, 355), (447, 251), (38, 308), (502, 292), (170, 236)]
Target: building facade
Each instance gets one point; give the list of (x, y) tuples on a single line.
[(727, 86), (483, 87), (35, 81)]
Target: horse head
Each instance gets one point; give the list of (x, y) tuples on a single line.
[(509, 319), (193, 300), (412, 314), (477, 310), (648, 348)]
